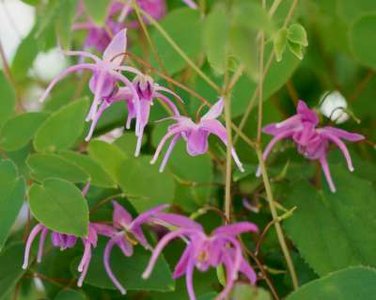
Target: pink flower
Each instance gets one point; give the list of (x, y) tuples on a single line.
[(312, 142), (66, 241), (196, 135), (126, 233), (203, 252), (106, 72)]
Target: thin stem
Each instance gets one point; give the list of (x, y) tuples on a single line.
[(227, 100), (277, 225), (180, 51), (266, 70)]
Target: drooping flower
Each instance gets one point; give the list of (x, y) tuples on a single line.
[(221, 248), (196, 135), (138, 108), (66, 241), (106, 72), (312, 142), (126, 233)]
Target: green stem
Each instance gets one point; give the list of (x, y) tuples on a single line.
[(180, 51), (228, 179)]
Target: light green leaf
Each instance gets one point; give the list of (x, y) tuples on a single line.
[(12, 194), (185, 27), (128, 271), (279, 43), (243, 291), (60, 206), (64, 21), (216, 39), (62, 129), (297, 34), (10, 271), (144, 185), (98, 176), (107, 155), (98, 10), (45, 166), (296, 49), (362, 41), (18, 131), (341, 225), (351, 10), (347, 284), (8, 99)]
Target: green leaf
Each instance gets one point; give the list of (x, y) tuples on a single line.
[(296, 49), (216, 39), (60, 206), (45, 166), (297, 34), (70, 295), (362, 41), (341, 225), (64, 21), (185, 27), (128, 270), (279, 43), (8, 99), (98, 176), (62, 129), (12, 194), (243, 291), (98, 10), (348, 284), (107, 155), (23, 60), (19, 130), (144, 185), (351, 10), (10, 271)]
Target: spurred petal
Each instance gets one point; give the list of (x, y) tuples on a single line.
[(182, 264), (215, 111), (176, 220), (189, 281), (328, 176), (236, 229), (96, 118), (190, 3), (168, 152), (145, 216), (116, 48), (121, 217), (107, 266), (33, 234), (342, 134)]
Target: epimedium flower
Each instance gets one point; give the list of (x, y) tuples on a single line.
[(220, 248), (312, 142), (138, 108), (106, 72), (65, 241), (126, 233), (196, 135)]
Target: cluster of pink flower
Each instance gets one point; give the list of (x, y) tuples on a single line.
[(221, 247), (109, 85)]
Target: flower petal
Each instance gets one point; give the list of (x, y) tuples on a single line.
[(116, 48), (236, 229), (120, 216), (215, 111)]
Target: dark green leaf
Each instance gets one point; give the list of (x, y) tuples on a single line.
[(12, 194), (8, 99), (363, 43), (18, 131), (348, 284), (341, 225), (70, 295), (62, 129), (60, 206), (45, 166), (10, 271), (243, 291), (128, 271)]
